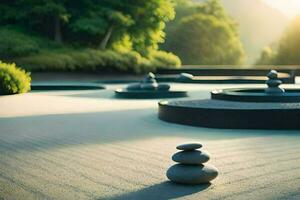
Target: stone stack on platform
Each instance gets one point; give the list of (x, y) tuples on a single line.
[(191, 168), (273, 83), (149, 88), (149, 83)]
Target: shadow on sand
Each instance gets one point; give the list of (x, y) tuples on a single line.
[(163, 191)]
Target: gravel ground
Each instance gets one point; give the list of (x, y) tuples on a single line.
[(88, 145)]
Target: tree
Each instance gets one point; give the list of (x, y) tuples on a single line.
[(44, 16), (266, 57), (288, 50), (109, 21), (97, 20), (150, 17), (207, 36), (96, 23)]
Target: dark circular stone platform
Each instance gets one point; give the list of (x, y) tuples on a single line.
[(149, 94), (67, 86), (231, 114), (256, 95)]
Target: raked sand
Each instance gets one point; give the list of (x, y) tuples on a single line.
[(88, 145)]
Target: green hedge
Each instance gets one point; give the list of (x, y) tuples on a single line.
[(96, 60), (14, 43), (35, 53), (13, 80), (164, 59)]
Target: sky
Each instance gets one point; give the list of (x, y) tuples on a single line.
[(290, 8)]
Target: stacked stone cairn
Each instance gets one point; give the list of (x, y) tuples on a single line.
[(190, 168), (150, 84), (273, 83)]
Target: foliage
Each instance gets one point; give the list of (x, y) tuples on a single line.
[(45, 16), (259, 23), (205, 34), (288, 50), (14, 43), (96, 60), (217, 43), (164, 59), (13, 80), (266, 57), (92, 23), (47, 33)]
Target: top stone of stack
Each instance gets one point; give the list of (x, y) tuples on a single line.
[(150, 78), (189, 146), (273, 74)]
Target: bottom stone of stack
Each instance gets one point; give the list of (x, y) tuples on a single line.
[(192, 174)]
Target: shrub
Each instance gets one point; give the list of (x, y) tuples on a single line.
[(47, 61), (36, 53), (13, 80), (14, 43), (96, 60), (125, 62), (162, 59)]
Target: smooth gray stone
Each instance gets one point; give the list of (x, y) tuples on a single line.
[(274, 90), (163, 87), (273, 74), (185, 76), (146, 80), (149, 78), (189, 146), (191, 157), (192, 174), (134, 86), (151, 75), (273, 82), (149, 86)]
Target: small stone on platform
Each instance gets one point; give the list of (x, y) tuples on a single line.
[(163, 87)]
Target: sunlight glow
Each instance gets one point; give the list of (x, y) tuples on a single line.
[(291, 8)]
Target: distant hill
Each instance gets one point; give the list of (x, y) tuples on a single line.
[(260, 24)]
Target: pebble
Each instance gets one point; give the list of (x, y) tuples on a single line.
[(189, 146), (191, 157), (185, 76), (192, 174), (273, 82), (274, 90), (163, 87), (151, 75), (273, 74), (149, 80)]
